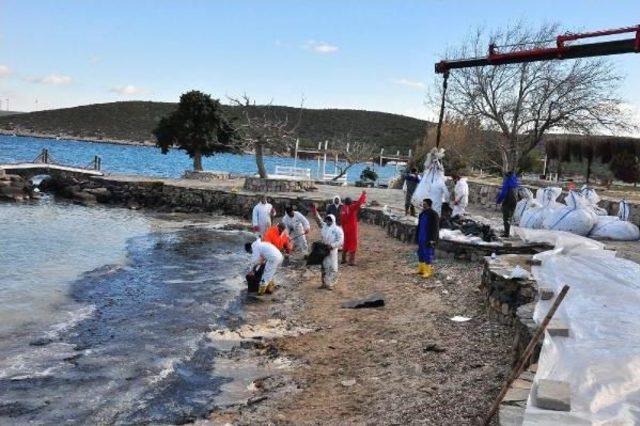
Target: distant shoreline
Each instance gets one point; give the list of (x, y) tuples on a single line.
[(38, 135)]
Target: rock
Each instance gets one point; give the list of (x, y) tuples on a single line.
[(546, 293), (510, 415), (348, 383), (373, 301), (433, 347), (558, 328), (84, 197), (101, 194), (553, 395), (515, 395)]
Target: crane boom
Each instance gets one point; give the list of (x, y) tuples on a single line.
[(560, 51)]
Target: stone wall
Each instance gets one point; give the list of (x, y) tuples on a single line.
[(257, 184), (206, 176)]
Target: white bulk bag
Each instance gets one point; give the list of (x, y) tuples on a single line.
[(612, 228), (433, 182), (526, 201), (592, 199), (575, 217)]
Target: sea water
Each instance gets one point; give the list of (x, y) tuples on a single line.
[(104, 313), (146, 160)]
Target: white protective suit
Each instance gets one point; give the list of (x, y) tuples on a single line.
[(270, 255), (261, 217), (297, 226), (334, 238), (460, 197), (432, 185)]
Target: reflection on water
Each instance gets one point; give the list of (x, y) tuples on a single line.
[(117, 332)]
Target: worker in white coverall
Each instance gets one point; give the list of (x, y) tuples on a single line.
[(263, 212), (333, 237), (460, 196), (267, 253), (298, 227)]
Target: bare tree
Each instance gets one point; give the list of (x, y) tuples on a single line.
[(352, 152), (261, 128), (522, 102)]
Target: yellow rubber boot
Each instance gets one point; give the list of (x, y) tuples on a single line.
[(428, 271), (270, 287), (421, 266), (262, 289)]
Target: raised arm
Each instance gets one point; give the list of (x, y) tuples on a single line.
[(362, 199), (316, 215)]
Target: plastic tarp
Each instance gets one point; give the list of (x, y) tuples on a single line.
[(601, 357)]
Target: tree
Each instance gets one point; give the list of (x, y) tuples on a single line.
[(262, 130), (522, 102), (198, 126), (625, 167), (465, 143), (352, 152)]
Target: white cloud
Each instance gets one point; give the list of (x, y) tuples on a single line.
[(410, 83), (5, 71), (320, 47), (127, 90), (53, 79)]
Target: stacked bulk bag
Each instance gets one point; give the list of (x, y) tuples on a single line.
[(592, 199), (533, 217), (433, 182), (576, 216), (527, 201), (616, 227)]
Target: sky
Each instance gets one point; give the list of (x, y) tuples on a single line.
[(374, 54)]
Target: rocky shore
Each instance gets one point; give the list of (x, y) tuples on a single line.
[(16, 188)]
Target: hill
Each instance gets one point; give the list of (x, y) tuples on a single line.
[(134, 121), (5, 113)]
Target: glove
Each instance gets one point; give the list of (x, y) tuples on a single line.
[(314, 209)]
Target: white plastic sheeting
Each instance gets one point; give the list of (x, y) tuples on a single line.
[(601, 357)]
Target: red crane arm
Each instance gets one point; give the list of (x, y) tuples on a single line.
[(560, 51)]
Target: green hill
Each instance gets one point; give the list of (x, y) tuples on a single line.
[(134, 121)]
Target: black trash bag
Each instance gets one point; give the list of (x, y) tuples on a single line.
[(253, 281), (319, 251)]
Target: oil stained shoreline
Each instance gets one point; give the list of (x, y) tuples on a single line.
[(138, 353)]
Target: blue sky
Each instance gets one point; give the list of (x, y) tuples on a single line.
[(375, 55)]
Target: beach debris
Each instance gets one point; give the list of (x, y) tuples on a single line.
[(459, 318), (433, 347), (375, 300), (348, 383)]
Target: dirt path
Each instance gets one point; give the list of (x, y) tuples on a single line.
[(411, 364)]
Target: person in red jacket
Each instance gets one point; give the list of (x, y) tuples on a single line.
[(349, 221)]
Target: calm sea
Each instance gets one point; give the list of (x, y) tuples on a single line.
[(143, 160)]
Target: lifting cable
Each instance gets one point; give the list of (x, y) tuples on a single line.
[(444, 91)]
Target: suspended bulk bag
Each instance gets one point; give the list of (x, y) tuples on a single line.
[(433, 183)]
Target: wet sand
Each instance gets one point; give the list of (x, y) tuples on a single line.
[(405, 363)]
